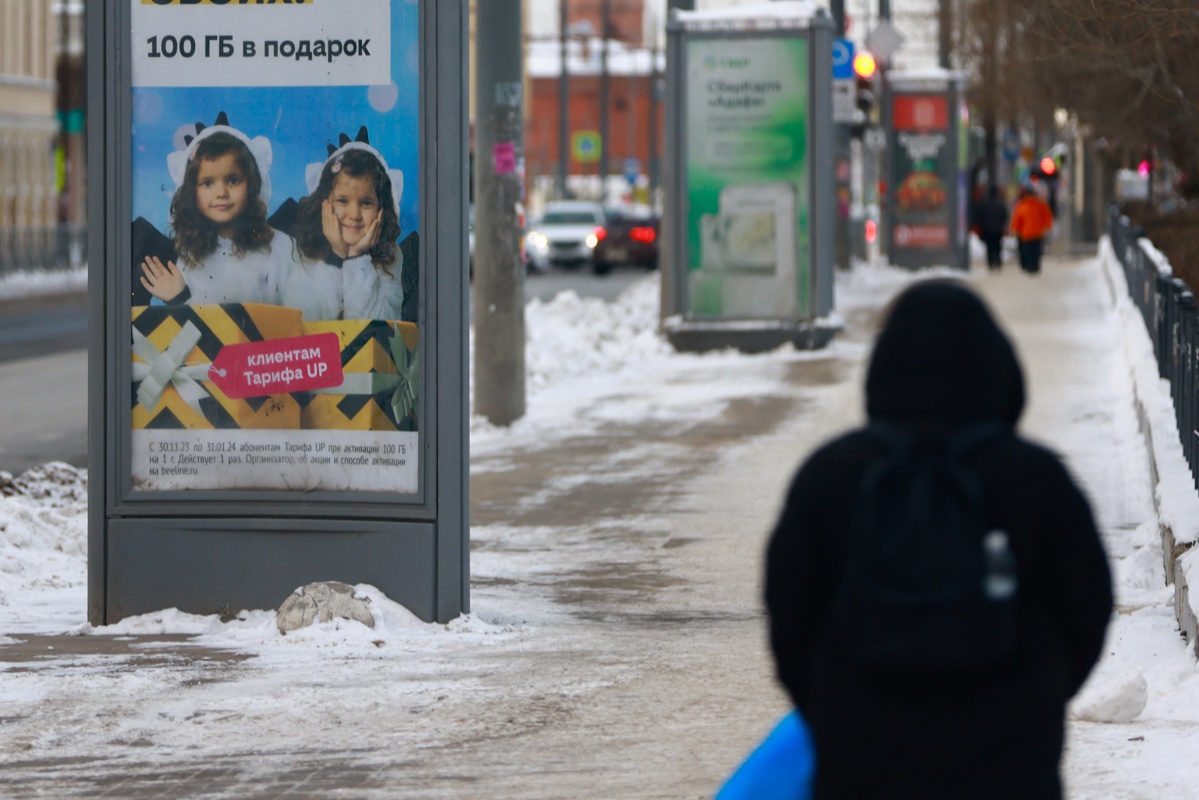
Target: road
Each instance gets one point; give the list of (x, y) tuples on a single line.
[(546, 286), (43, 367), (43, 381)]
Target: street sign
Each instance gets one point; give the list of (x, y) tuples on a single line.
[(1011, 146), (632, 169), (844, 105), (884, 40), (843, 52), (876, 138), (585, 146)]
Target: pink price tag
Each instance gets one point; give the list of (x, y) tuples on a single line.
[(503, 155), (278, 366)]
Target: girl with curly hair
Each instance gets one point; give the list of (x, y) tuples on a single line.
[(346, 233), (229, 253)]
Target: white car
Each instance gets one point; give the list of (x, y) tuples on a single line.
[(565, 235)]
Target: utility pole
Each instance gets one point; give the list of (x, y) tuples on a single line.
[(605, 101), (836, 9), (563, 106), (945, 34), (655, 100), (842, 246), (498, 303)]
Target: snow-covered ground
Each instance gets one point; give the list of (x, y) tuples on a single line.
[(594, 366), (31, 283)]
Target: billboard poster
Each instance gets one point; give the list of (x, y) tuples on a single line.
[(746, 177), (923, 172), (273, 312)]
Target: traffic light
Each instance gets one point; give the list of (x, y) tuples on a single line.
[(864, 69)]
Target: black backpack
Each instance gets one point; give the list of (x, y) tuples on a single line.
[(928, 584)]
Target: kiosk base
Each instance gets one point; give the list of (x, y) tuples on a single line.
[(226, 566), (748, 336)]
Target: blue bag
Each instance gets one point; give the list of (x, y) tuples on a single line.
[(780, 768)]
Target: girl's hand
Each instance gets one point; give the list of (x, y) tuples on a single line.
[(332, 230), (369, 237), (165, 283)]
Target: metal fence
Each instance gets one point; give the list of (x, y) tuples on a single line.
[(42, 247), (1168, 307)]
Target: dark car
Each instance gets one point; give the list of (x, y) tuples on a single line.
[(628, 236)]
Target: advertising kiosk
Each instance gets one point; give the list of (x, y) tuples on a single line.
[(277, 374), (749, 217), (927, 192)]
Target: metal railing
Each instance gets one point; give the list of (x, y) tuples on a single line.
[(1168, 307), (42, 247)]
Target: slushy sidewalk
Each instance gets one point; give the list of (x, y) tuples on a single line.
[(616, 646)]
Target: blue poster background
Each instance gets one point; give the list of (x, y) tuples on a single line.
[(299, 121)]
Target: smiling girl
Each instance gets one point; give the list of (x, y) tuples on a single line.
[(229, 253), (346, 232)]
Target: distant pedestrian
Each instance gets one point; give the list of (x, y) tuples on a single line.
[(967, 713), (1031, 222), (992, 225)]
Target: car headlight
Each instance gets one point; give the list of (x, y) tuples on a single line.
[(592, 240), (536, 241)]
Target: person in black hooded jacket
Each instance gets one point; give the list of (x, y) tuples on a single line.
[(940, 363)]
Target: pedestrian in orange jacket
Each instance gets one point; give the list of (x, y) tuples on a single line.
[(1031, 221)]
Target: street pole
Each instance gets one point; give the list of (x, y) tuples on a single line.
[(498, 303), (563, 107), (653, 167), (605, 91), (842, 244), (836, 10), (655, 180), (945, 34)]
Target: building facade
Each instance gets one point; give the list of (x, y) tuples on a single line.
[(28, 129), (635, 110)]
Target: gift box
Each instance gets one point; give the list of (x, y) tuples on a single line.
[(173, 347), (382, 376)]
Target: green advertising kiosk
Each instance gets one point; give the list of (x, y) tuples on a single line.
[(277, 372), (749, 214)]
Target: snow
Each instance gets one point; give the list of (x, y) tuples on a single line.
[(544, 58), (593, 366), (777, 10), (31, 283)]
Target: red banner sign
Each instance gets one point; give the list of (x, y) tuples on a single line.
[(921, 236), (921, 112), (278, 366)]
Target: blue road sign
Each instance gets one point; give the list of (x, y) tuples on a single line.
[(632, 168), (1011, 146), (842, 58)]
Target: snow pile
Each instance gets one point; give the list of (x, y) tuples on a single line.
[(1177, 501), (1119, 700), (32, 283), (254, 630), (572, 336), (43, 530)]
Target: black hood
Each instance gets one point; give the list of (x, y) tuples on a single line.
[(942, 357)]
